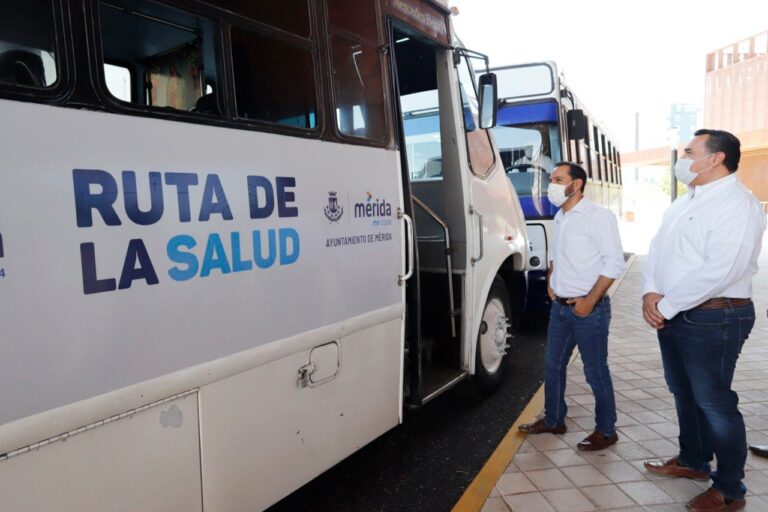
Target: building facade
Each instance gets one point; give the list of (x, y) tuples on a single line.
[(736, 99)]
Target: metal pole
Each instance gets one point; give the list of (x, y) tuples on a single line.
[(637, 143), (673, 179)]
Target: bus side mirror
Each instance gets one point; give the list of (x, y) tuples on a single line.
[(489, 97), (577, 124)]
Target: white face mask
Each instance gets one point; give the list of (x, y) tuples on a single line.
[(683, 170), (556, 194)]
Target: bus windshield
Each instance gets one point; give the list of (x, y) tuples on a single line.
[(529, 152), (525, 81)]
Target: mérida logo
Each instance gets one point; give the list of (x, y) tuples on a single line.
[(371, 207)]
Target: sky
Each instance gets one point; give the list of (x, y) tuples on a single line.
[(618, 57)]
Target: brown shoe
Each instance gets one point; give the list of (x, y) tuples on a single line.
[(539, 427), (713, 501), (597, 441), (672, 468)]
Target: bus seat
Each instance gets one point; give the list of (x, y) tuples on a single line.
[(19, 67), (206, 104), (433, 168)]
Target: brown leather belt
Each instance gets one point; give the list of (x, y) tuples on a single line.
[(564, 301), (723, 303)]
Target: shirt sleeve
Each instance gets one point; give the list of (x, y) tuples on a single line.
[(654, 251), (649, 268), (728, 250), (609, 244)]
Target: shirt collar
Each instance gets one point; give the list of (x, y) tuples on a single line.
[(700, 190), (581, 206)]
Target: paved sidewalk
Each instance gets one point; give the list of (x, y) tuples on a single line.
[(548, 473)]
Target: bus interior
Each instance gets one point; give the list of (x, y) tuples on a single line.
[(158, 56), (27, 57)]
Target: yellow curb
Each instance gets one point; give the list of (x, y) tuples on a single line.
[(478, 491)]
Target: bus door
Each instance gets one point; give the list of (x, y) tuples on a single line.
[(433, 189)]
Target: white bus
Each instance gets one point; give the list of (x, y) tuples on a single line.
[(211, 288)]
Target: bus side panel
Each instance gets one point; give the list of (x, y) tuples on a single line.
[(540, 240), (146, 461), (135, 248), (263, 436)]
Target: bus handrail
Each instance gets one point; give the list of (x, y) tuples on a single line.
[(448, 263), (472, 211), (411, 264)]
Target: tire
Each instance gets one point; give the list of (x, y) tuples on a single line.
[(492, 339)]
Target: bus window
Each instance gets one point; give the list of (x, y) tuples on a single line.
[(119, 81), (599, 172), (274, 80), (27, 50), (612, 157), (289, 15), (358, 17), (588, 152), (481, 154), (575, 155), (568, 153), (604, 159), (357, 72), (420, 108), (609, 159), (172, 53)]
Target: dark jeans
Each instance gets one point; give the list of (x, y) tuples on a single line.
[(590, 334), (699, 349)]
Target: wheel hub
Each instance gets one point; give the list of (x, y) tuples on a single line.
[(494, 333), (500, 336)]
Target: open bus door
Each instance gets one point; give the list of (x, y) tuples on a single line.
[(438, 185), (432, 340)]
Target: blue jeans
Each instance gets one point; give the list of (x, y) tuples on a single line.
[(699, 349), (566, 331)]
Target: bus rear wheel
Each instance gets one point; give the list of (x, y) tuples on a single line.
[(493, 339)]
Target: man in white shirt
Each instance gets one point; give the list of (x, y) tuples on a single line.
[(697, 289), (536, 157), (585, 259)]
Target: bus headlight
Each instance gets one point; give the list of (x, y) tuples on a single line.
[(535, 261)]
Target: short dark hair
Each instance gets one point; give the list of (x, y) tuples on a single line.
[(720, 141), (576, 172)]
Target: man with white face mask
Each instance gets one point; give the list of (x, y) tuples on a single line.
[(585, 259), (697, 288)]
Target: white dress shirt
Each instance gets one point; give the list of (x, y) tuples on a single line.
[(587, 245), (707, 246)]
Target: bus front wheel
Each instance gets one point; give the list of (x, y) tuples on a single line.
[(493, 339)]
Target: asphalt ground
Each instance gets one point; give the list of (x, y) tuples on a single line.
[(426, 463)]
